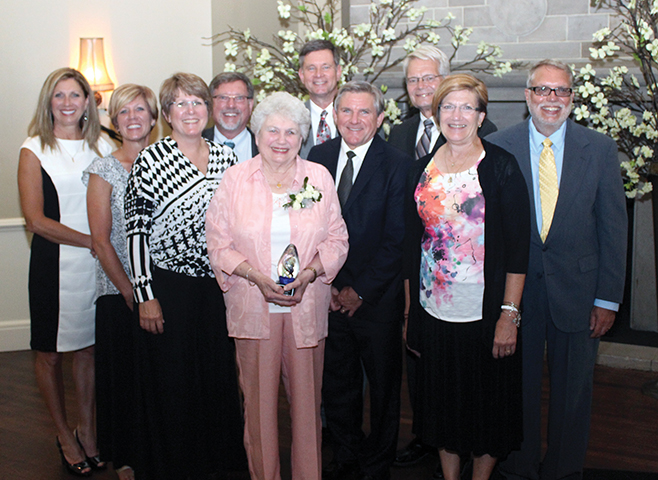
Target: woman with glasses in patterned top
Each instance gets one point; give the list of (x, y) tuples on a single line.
[(466, 246), (192, 421)]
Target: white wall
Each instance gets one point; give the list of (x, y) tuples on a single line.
[(145, 42)]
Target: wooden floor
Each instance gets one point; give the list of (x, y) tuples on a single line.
[(624, 426)]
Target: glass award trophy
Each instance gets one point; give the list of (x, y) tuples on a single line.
[(288, 267)]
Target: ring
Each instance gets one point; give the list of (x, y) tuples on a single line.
[(508, 351)]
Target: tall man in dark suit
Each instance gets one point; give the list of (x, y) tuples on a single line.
[(367, 300), (576, 269), (319, 71), (232, 104), (418, 135)]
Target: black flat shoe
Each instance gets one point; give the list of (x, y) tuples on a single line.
[(94, 461), (80, 469)]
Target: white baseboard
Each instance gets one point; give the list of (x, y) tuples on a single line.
[(14, 335)]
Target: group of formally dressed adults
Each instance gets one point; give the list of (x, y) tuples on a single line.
[(158, 265)]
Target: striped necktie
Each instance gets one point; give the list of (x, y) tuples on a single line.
[(423, 146), (548, 187)]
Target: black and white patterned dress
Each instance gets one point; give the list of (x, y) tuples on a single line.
[(187, 374)]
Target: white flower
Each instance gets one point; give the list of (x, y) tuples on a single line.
[(415, 13), (581, 112), (388, 34), (231, 48), (263, 57), (433, 38), (587, 72), (361, 29), (246, 34), (229, 67), (377, 51), (502, 68), (600, 35), (284, 10), (304, 198), (288, 47), (386, 2), (410, 44), (287, 35)]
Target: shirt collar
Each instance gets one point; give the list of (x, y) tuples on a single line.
[(557, 138), (318, 111), (360, 151), (236, 140)]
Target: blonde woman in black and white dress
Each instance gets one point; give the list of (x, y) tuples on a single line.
[(64, 137)]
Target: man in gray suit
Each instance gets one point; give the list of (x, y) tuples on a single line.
[(232, 104), (320, 71), (576, 269)]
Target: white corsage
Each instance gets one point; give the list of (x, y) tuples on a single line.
[(305, 198)]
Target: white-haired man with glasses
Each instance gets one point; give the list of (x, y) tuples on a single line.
[(418, 135), (576, 270)]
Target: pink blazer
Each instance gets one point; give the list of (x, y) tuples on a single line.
[(238, 229)]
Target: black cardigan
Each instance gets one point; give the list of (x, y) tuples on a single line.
[(506, 235)]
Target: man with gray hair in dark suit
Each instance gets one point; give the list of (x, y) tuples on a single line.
[(576, 269)]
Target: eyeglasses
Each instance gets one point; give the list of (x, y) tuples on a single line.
[(545, 91), (193, 103), (465, 109), (235, 98), (424, 78)]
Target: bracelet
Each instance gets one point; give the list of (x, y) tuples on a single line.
[(315, 273), (514, 306), (516, 319), (247, 277)]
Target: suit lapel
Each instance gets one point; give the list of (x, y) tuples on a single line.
[(330, 161), (519, 145), (411, 134), (574, 167)]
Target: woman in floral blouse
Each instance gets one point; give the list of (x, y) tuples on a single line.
[(466, 247), (263, 205)]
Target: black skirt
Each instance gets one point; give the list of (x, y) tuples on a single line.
[(192, 418), (116, 381), (467, 401)]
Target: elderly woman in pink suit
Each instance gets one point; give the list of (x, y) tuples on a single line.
[(261, 206)]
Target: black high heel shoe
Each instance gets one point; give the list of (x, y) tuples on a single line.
[(81, 469), (94, 461)]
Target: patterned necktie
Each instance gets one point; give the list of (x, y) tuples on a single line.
[(548, 187), (231, 145), (324, 133), (345, 184), (423, 146)]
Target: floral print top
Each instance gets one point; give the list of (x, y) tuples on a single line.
[(451, 207)]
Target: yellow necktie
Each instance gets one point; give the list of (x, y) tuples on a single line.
[(548, 187)]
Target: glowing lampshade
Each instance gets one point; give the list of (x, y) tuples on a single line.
[(92, 64)]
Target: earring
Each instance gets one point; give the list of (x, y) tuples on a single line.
[(85, 118)]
